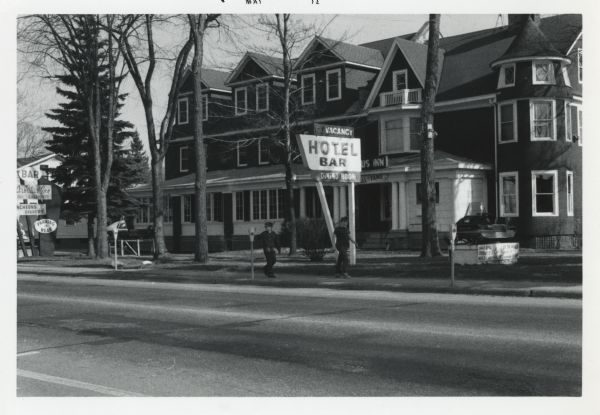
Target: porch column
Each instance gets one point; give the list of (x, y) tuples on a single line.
[(394, 209), (336, 204), (343, 201), (403, 206), (302, 212)]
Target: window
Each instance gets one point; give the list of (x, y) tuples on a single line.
[(509, 194), (507, 76), (580, 65), (507, 121), (263, 151), (565, 74), (542, 120), (182, 111), (394, 139), (544, 188), (239, 206), (570, 199), (242, 153), (543, 72), (241, 101), (214, 207), (204, 107), (262, 97), (415, 134), (188, 209), (420, 194), (308, 89), (267, 204), (574, 115), (334, 84), (144, 210), (184, 158), (400, 80), (167, 209)]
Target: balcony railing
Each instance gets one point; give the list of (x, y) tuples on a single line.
[(400, 97)]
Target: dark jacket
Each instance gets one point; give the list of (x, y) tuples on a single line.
[(270, 241), (342, 237)]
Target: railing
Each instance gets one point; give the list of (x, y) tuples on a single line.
[(403, 96)]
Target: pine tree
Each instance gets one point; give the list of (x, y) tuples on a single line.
[(138, 160)]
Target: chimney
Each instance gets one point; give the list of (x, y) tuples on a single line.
[(518, 19)]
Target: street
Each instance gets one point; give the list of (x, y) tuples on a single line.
[(92, 337)]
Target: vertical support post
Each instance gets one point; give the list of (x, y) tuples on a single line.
[(138, 247), (343, 202), (451, 248), (302, 212), (395, 209), (403, 205), (122, 253), (326, 213), (21, 241), (115, 233), (352, 222), (336, 204)]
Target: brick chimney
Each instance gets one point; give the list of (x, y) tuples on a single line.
[(518, 19)]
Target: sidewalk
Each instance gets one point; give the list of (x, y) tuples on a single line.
[(537, 274)]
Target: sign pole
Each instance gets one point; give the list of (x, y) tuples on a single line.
[(452, 238), (352, 222), (326, 212), (251, 235), (116, 235), (21, 242)]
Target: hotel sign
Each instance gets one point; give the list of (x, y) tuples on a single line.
[(334, 130), (32, 191), (375, 163), (330, 154)]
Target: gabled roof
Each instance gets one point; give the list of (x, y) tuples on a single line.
[(344, 52), (28, 161), (529, 42), (272, 66), (211, 78), (416, 56)]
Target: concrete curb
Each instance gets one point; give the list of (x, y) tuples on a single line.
[(320, 282)]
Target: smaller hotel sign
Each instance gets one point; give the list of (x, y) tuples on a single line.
[(334, 130), (330, 154)]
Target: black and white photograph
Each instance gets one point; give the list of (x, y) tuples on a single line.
[(263, 203)]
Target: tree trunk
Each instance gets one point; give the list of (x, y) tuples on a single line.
[(91, 249), (198, 25), (160, 248), (430, 244)]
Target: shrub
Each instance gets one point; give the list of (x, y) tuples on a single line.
[(312, 237)]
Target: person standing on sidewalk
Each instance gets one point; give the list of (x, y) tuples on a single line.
[(270, 242), (342, 244)]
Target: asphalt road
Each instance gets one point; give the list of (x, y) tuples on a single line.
[(117, 338)]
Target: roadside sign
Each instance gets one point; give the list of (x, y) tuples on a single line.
[(45, 225), (332, 154), (32, 191), (28, 173), (334, 130), (343, 177), (31, 209)]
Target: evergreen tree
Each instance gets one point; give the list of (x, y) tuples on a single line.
[(138, 161)]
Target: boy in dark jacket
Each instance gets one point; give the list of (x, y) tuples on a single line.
[(342, 244), (270, 242)]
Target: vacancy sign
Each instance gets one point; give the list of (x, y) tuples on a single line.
[(31, 191), (330, 154), (31, 209)]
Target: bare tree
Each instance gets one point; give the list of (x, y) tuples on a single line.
[(198, 26), (430, 244), (137, 43)]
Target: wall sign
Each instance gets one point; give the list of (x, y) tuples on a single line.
[(375, 163), (334, 130), (31, 209), (31, 191), (29, 173), (331, 154), (45, 225), (345, 177)]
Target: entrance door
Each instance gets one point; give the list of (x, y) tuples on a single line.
[(373, 207)]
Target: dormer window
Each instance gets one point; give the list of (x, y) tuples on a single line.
[(543, 73), (400, 80), (241, 101), (334, 84), (262, 97), (308, 89), (182, 111), (507, 76)]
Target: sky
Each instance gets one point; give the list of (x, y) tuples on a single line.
[(225, 46)]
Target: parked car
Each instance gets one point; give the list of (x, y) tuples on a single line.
[(477, 226)]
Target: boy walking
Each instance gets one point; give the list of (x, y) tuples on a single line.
[(342, 244), (270, 242)]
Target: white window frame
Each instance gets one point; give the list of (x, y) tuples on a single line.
[(337, 71), (204, 107), (531, 120), (569, 121), (565, 75), (570, 195), (168, 209), (580, 65), (266, 87), (238, 154), (239, 196), (181, 151), (534, 174), (552, 78), (515, 123), (180, 120), (238, 111), (261, 162), (185, 198), (502, 80), (405, 135), (394, 79), (503, 212), (314, 89), (266, 207)]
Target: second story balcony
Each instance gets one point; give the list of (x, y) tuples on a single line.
[(400, 97)]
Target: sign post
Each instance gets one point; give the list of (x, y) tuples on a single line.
[(451, 247), (251, 234), (352, 222), (114, 228)]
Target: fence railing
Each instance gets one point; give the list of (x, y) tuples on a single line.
[(400, 97)]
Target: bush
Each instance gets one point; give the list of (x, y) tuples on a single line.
[(312, 237)]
